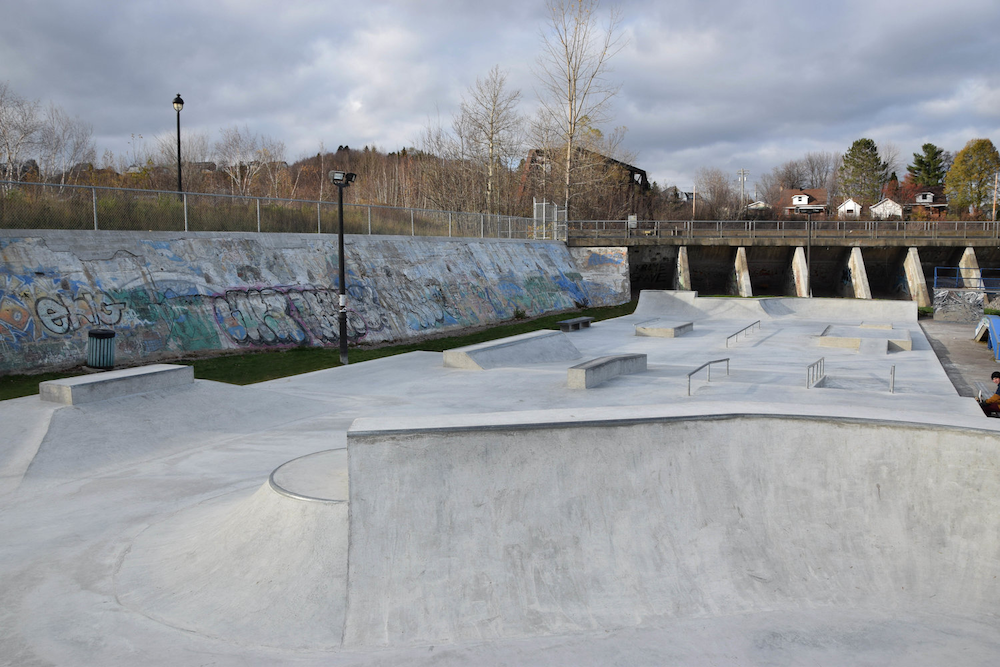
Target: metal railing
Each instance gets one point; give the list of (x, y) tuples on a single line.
[(709, 365), (957, 277), (52, 206), (815, 372), (747, 330), (785, 229)]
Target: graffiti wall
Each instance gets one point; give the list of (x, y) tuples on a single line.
[(167, 295)]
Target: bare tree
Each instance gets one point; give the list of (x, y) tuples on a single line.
[(718, 194), (63, 143), (571, 71), (820, 168), (889, 152), (239, 155), (490, 120), (196, 159), (20, 123)]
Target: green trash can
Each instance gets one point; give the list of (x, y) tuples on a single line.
[(101, 349)]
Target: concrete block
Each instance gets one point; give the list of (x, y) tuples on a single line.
[(537, 347), (115, 384), (859, 275), (915, 281), (800, 272), (598, 371), (663, 329), (682, 276)]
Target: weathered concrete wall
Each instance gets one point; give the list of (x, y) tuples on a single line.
[(169, 294)]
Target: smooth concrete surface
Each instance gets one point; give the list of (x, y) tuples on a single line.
[(499, 517), (524, 349), (663, 329), (800, 272), (682, 273), (741, 274), (598, 371), (752, 513), (915, 280), (859, 274), (114, 384), (969, 269)]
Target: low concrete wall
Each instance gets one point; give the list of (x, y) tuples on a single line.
[(470, 534), (170, 294)]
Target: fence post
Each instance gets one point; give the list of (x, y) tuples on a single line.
[(482, 226), (449, 224), (369, 220), (411, 223), (318, 225), (186, 212), (93, 193), (258, 215)]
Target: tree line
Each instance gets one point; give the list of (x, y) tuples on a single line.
[(489, 158), (866, 173)]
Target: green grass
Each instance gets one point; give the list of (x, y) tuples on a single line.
[(253, 367)]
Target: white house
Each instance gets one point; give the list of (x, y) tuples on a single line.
[(886, 209), (849, 209)]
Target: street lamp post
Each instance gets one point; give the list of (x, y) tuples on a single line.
[(178, 105), (342, 179)]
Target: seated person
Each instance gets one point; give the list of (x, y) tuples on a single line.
[(991, 405)]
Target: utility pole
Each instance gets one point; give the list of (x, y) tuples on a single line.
[(742, 175), (996, 178)]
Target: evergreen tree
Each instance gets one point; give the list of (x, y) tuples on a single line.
[(863, 173), (969, 183), (928, 168)]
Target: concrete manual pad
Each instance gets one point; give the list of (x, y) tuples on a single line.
[(871, 339), (115, 384), (537, 347), (598, 371), (663, 329), (502, 517)]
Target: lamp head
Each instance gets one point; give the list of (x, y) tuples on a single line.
[(342, 178), (178, 103)]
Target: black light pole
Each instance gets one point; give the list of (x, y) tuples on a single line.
[(178, 105), (342, 179), (809, 246)]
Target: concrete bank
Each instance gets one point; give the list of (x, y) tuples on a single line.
[(167, 294)]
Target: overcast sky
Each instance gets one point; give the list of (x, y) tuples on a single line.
[(704, 83)]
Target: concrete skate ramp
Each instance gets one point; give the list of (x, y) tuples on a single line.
[(689, 306), (264, 570), (536, 347), (841, 309), (514, 531)]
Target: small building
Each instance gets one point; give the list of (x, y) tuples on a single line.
[(849, 209), (930, 202), (804, 202), (886, 209)]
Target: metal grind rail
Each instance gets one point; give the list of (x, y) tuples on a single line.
[(747, 330), (815, 372), (709, 365)]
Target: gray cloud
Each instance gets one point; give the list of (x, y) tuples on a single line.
[(704, 84)]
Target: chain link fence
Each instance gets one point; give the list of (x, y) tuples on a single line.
[(52, 206)]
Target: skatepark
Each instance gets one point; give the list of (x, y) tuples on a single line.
[(708, 481)]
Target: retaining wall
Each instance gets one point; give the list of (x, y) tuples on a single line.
[(170, 294)]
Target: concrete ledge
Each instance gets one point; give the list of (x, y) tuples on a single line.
[(537, 347), (660, 329), (867, 339), (114, 384), (600, 370)]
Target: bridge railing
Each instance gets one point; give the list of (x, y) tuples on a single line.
[(53, 206), (783, 229)]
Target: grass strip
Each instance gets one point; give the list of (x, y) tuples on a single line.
[(251, 367)]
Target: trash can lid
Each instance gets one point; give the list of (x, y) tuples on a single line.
[(101, 333)]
